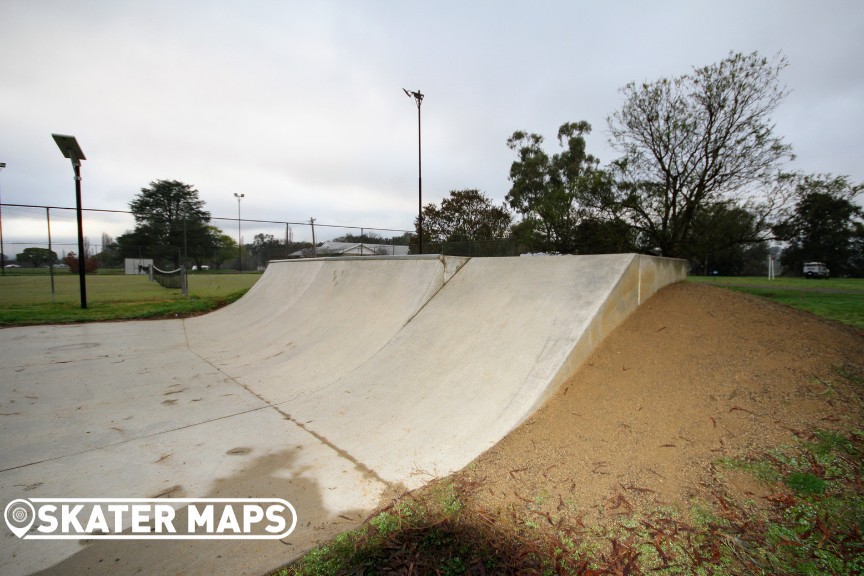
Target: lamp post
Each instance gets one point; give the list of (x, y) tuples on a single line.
[(69, 147), (239, 241), (419, 98), (2, 254)]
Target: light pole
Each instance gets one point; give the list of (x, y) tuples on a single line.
[(419, 98), (2, 254), (239, 241), (69, 147)]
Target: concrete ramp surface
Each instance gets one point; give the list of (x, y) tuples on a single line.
[(309, 322), (329, 383), (365, 351)]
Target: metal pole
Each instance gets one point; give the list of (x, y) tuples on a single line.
[(239, 236), (287, 238), (314, 246), (81, 258), (2, 254), (419, 175), (50, 258), (418, 97)]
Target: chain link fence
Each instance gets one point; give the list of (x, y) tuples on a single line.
[(474, 248), (54, 229)]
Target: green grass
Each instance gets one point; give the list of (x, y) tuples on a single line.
[(783, 282), (26, 299), (836, 299), (817, 516)]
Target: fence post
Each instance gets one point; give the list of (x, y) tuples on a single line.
[(314, 246), (50, 258)]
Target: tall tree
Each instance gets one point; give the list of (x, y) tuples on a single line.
[(826, 225), (555, 194), (37, 257), (694, 141), (465, 216), (109, 256), (170, 221), (223, 248), (266, 247), (727, 240)]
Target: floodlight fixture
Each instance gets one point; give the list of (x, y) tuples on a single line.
[(69, 147), (418, 97)]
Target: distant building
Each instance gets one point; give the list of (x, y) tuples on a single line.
[(352, 249), (135, 266)]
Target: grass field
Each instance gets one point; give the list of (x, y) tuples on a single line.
[(840, 299), (26, 298), (832, 284)]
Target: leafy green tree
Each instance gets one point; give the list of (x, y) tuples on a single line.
[(754, 260), (403, 240), (697, 141), (266, 247), (110, 256), (727, 234), (825, 226), (558, 193), (365, 237), (36, 257), (610, 235), (170, 221), (464, 216), (223, 248)]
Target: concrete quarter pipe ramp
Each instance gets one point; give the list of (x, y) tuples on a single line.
[(328, 383), (446, 355)]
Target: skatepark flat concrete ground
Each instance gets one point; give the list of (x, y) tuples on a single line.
[(330, 383)]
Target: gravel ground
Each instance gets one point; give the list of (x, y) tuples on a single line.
[(696, 375)]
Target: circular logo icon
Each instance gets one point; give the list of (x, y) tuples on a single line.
[(19, 516)]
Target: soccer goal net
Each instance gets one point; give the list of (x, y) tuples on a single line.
[(170, 278)]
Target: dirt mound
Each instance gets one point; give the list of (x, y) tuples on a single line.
[(696, 375)]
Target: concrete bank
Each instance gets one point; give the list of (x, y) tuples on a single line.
[(329, 383)]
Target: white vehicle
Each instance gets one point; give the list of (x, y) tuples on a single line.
[(815, 270)]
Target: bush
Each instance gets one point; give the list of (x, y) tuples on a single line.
[(90, 264)]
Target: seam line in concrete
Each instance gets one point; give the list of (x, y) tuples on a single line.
[(435, 294), (342, 453), (120, 443)]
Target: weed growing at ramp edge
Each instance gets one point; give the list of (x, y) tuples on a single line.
[(814, 522), (426, 532), (26, 300)]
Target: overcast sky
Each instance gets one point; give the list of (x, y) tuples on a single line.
[(299, 105)]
